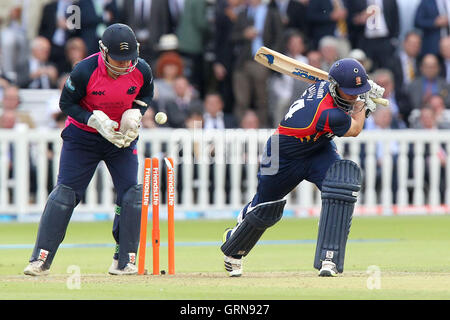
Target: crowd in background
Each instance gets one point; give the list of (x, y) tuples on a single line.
[(201, 53)]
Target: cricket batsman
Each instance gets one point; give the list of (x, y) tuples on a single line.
[(103, 124), (302, 149)]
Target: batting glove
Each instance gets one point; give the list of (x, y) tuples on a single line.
[(130, 124), (106, 127), (370, 105), (375, 91)]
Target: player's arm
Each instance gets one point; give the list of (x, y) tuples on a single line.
[(73, 91), (131, 118), (147, 90), (357, 121)]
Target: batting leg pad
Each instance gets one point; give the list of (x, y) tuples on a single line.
[(129, 225), (248, 232), (53, 225), (339, 193)]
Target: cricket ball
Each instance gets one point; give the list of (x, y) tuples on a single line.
[(161, 118)]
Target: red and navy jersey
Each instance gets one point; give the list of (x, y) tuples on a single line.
[(312, 121), (90, 88)]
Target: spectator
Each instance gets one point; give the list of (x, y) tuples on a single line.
[(405, 63), (53, 110), (326, 18), (11, 101), (283, 89), (407, 10), (399, 103), (428, 121), (225, 56), (3, 84), (381, 31), (250, 120), (297, 15), (96, 15), (14, 46), (257, 24), (53, 27), (150, 20), (192, 32), (194, 120), (432, 20), (442, 114), (329, 49), (176, 8), (8, 119), (428, 83), (361, 56), (439, 117), (75, 51), (356, 21), (168, 67), (214, 117), (444, 50), (60, 120), (315, 59), (383, 119), (167, 43), (38, 73), (179, 108)]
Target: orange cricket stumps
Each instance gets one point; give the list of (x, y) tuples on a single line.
[(144, 215), (155, 209), (151, 180), (170, 213)]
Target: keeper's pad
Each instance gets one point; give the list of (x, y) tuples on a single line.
[(248, 232), (339, 194), (53, 225), (129, 225)]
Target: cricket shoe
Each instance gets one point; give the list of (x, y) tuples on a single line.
[(328, 269), (129, 269), (232, 265), (36, 268)]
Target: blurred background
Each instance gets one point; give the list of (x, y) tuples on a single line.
[(222, 106)]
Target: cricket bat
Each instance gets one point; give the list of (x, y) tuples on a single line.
[(298, 70)]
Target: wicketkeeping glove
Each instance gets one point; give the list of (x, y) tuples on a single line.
[(130, 124), (105, 126)]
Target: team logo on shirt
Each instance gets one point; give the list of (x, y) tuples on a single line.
[(69, 85), (131, 90)]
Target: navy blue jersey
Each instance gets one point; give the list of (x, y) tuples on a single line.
[(312, 121)]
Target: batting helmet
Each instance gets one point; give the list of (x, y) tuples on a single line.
[(119, 42), (350, 76)]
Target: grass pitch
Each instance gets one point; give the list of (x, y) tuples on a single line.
[(386, 258)]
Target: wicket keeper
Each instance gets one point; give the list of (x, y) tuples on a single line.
[(103, 124), (302, 149)]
